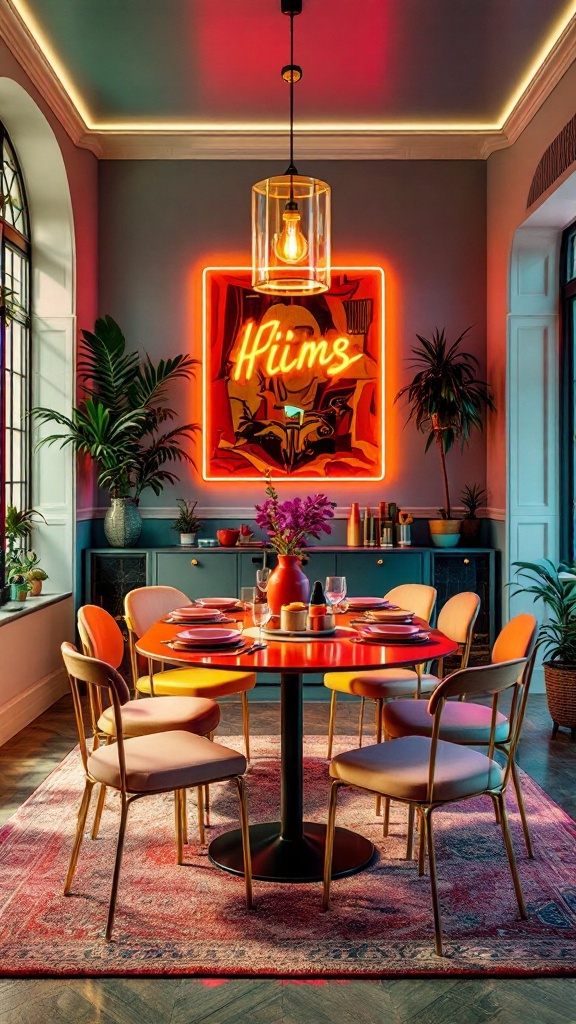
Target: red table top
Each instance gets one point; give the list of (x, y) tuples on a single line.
[(336, 652)]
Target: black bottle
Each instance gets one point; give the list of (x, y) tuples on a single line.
[(317, 596)]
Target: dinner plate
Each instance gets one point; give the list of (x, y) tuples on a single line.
[(361, 603), (196, 613), (217, 602), (214, 634), (185, 645), (390, 615), (390, 629), (420, 638)]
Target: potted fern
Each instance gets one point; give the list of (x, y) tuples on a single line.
[(121, 424), (555, 586), (187, 524), (446, 402)]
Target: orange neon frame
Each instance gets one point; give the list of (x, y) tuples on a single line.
[(255, 348)]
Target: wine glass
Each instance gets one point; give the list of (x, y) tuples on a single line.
[(262, 577), (261, 614), (335, 590)]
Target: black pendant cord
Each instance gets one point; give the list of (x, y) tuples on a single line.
[(291, 168)]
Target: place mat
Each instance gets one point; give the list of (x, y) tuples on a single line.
[(392, 641)]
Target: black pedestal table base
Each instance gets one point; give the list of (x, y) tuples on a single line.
[(275, 859)]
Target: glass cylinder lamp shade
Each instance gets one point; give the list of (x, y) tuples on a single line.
[(291, 235)]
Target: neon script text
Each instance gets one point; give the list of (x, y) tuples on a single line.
[(284, 356)]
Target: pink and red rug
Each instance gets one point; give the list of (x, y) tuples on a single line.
[(192, 919)]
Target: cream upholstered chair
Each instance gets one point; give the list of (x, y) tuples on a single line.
[(143, 607), (102, 638), (427, 772), (141, 766), (382, 684), (470, 723)]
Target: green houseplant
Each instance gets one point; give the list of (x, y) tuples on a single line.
[(472, 497), (187, 524), (555, 586), (446, 402), (122, 423), (18, 527)]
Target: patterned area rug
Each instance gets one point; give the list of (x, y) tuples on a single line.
[(192, 919)]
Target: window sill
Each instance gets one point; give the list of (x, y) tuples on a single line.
[(17, 609)]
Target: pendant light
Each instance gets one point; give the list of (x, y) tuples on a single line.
[(291, 215)]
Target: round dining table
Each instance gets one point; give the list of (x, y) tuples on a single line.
[(292, 849)]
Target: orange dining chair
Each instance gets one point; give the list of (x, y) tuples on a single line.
[(427, 772), (382, 684), (143, 607), (470, 723), (102, 638), (140, 766)]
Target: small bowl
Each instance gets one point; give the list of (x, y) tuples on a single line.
[(228, 538)]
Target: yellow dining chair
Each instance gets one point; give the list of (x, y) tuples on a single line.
[(101, 638), (470, 723), (382, 684), (140, 766), (143, 607), (427, 772)]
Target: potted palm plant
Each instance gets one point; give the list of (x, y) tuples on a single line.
[(121, 424), (555, 586), (446, 402), (187, 524), (472, 497)]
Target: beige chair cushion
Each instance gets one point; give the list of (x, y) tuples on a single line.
[(198, 682), (166, 761), (461, 722), (381, 683), (160, 714), (399, 769)]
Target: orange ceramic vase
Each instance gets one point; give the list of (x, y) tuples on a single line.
[(287, 583)]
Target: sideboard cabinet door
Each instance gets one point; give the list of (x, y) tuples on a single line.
[(111, 573), (202, 574), (374, 573)]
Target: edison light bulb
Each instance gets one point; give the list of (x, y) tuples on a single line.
[(290, 245)]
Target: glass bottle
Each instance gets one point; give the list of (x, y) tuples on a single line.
[(353, 530)]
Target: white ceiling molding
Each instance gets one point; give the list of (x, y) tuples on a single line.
[(219, 144)]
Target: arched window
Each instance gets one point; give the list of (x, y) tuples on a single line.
[(15, 351), (568, 395)]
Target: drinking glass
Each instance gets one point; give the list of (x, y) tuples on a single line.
[(247, 596), (261, 614), (335, 590), (262, 577)]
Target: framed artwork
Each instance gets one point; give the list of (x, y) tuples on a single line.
[(293, 385)]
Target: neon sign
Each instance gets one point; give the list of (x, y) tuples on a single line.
[(293, 385)]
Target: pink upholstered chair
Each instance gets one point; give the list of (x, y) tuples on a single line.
[(140, 766)]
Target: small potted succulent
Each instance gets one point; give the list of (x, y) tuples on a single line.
[(472, 497), (187, 524)]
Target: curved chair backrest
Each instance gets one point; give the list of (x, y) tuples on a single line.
[(457, 617), (516, 639), (100, 634), (416, 597), (98, 676), (145, 605)]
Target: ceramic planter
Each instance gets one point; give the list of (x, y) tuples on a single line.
[(287, 583), (122, 523), (445, 533), (188, 539)]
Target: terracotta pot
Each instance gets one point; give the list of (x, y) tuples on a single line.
[(287, 583), (36, 588)]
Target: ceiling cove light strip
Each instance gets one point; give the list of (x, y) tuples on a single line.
[(42, 42)]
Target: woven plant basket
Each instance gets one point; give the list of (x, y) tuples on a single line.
[(561, 693)]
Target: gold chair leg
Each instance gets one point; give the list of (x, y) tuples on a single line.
[(117, 864), (421, 847), (246, 853), (179, 795), (386, 816), (410, 833), (361, 720), (499, 799), (427, 827), (82, 815), (201, 834), (378, 723), (329, 849), (246, 723), (521, 808), (184, 817), (207, 804), (332, 722), (99, 809)]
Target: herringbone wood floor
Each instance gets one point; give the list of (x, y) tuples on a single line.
[(28, 758)]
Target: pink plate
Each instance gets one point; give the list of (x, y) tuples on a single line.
[(366, 602), (389, 615), (391, 629), (196, 613), (217, 602), (209, 635)]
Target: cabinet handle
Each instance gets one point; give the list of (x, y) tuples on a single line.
[(193, 561), (466, 561), (380, 561)]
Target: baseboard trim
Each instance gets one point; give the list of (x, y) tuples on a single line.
[(17, 713)]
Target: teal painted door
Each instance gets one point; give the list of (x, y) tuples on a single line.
[(211, 575)]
